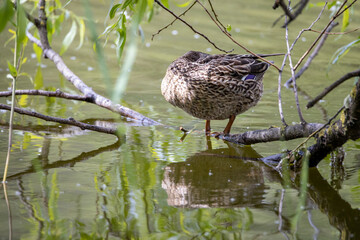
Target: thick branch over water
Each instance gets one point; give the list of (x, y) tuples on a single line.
[(89, 93), (273, 134)]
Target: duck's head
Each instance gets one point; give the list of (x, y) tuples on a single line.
[(194, 56)]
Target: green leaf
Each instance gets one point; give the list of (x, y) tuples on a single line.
[(26, 75), (183, 4), (21, 23), (12, 69), (69, 38), (39, 82), (150, 4), (342, 51), (6, 12), (121, 38), (331, 4), (38, 52), (81, 32), (345, 20), (113, 10), (228, 28), (165, 3)]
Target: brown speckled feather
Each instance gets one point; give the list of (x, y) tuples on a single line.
[(214, 87)]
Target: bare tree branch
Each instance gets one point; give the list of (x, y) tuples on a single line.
[(293, 73), (233, 40), (292, 16), (313, 54), (165, 27), (337, 14), (191, 27), (285, 8), (347, 76), (69, 121), (279, 92), (272, 134), (57, 93), (89, 93)]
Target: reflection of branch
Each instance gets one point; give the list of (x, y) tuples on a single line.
[(341, 214), (63, 131), (71, 162), (307, 97), (8, 209), (69, 121), (347, 76)]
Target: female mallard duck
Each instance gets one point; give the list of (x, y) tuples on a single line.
[(214, 87)]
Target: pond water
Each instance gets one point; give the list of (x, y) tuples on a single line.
[(67, 183)]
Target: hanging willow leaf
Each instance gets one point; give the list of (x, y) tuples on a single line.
[(6, 12), (81, 31), (113, 10), (345, 20), (343, 51), (12, 69), (183, 4), (69, 38)]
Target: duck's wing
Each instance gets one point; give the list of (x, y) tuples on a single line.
[(236, 67)]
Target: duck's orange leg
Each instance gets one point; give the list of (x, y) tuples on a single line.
[(207, 128), (230, 123)]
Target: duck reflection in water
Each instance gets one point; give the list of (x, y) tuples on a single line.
[(225, 177)]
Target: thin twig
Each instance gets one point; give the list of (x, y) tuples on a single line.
[(233, 40), (292, 16), (279, 91), (191, 27), (57, 93), (89, 92), (302, 5), (308, 29), (337, 14), (216, 16), (285, 8), (318, 130), (69, 121), (335, 33), (312, 55), (276, 5), (347, 76), (168, 25), (302, 120)]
